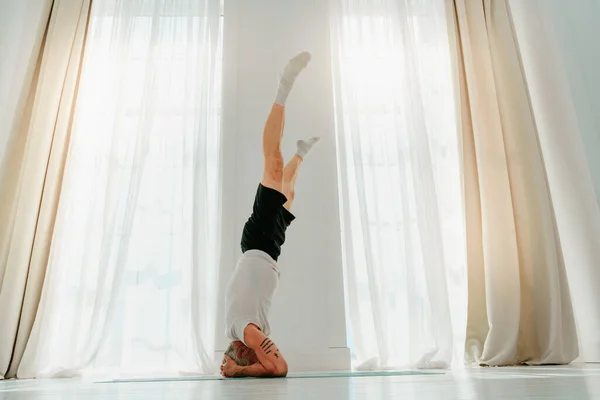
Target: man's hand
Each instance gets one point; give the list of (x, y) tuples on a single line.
[(229, 368)]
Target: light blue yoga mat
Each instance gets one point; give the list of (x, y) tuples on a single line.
[(348, 374)]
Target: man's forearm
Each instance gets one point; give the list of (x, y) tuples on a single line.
[(255, 370)]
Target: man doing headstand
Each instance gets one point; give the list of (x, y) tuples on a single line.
[(252, 286)]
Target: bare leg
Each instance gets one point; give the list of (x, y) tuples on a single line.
[(273, 168), (290, 172)]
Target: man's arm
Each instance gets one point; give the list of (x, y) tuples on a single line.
[(267, 352), (255, 370)]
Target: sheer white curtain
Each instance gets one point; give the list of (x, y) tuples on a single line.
[(131, 281), (401, 192)]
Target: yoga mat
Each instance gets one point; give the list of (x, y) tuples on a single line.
[(348, 374)]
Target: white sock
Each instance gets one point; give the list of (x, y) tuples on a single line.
[(289, 75), (305, 146)]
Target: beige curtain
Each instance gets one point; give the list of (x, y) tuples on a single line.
[(31, 189), (519, 303)]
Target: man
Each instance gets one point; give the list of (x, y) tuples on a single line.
[(252, 286)]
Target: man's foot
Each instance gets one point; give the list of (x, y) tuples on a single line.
[(305, 146), (289, 75)]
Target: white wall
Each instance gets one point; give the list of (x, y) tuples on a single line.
[(577, 35), (567, 127), (308, 320)]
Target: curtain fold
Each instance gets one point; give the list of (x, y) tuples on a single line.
[(519, 302), (399, 160), (130, 283), (34, 179), (22, 28)]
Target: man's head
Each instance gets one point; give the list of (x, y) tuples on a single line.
[(241, 354)]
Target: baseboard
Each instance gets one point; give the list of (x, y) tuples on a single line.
[(331, 359), (588, 353)]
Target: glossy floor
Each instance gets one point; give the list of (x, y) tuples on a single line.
[(571, 382)]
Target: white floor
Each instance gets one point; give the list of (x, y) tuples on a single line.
[(575, 382)]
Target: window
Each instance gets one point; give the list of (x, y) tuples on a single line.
[(401, 188), (135, 249)]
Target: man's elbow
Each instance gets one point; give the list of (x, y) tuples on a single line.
[(279, 371), (283, 371)]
